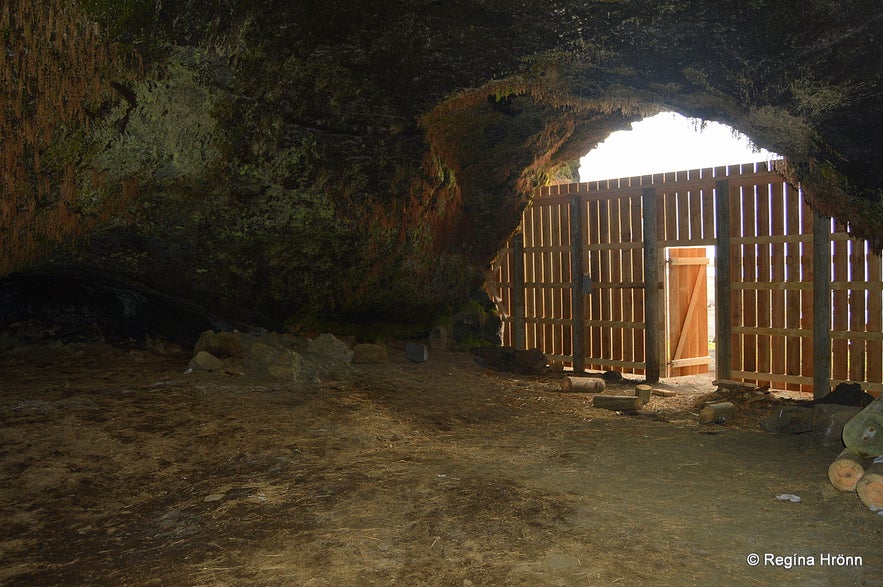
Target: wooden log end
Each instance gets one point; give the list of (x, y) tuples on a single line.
[(643, 391), (717, 413), (846, 470), (870, 486)]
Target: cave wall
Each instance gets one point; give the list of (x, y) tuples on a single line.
[(289, 162)]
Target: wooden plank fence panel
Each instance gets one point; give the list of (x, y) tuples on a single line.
[(771, 272)]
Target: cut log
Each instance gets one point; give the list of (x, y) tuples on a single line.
[(828, 421), (664, 393), (584, 384), (789, 420), (846, 470), (864, 433), (739, 385), (717, 413), (619, 403), (643, 392), (870, 486)]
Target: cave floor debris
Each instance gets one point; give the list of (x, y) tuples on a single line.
[(118, 468)]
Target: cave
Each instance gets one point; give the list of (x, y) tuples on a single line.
[(245, 336), (288, 164)]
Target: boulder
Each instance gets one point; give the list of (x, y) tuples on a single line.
[(789, 420), (226, 345), (330, 347), (286, 365), (367, 354), (205, 361)]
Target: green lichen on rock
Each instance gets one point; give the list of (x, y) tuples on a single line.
[(169, 131)]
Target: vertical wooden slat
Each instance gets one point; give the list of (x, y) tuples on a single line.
[(548, 276), (577, 268), (518, 282), (875, 319), (683, 214), (840, 306), (777, 272), (792, 275), (652, 333), (822, 308), (857, 317), (530, 280), (696, 229), (616, 261), (708, 212), (670, 211), (594, 336), (723, 301), (806, 298), (638, 310), (736, 319), (628, 277), (764, 260), (604, 262), (749, 276)]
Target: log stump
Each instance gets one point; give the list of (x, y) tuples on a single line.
[(643, 392)]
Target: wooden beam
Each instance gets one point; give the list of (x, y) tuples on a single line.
[(722, 301), (651, 286), (821, 324), (518, 332), (577, 269)]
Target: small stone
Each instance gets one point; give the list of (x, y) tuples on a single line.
[(214, 497), (418, 353), (369, 354), (205, 361)]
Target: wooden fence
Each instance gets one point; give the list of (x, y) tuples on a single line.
[(776, 261)]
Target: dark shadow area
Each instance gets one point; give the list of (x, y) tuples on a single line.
[(71, 308)]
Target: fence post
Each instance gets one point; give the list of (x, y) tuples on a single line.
[(722, 301), (651, 286), (576, 283), (821, 320), (518, 327)]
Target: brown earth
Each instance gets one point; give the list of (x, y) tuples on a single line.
[(117, 468)]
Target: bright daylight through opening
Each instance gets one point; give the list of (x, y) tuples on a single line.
[(668, 142)]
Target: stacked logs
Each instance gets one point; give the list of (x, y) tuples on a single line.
[(859, 467)]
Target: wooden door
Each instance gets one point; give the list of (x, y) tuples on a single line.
[(687, 317)]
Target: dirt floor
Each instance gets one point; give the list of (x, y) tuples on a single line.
[(117, 468)]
